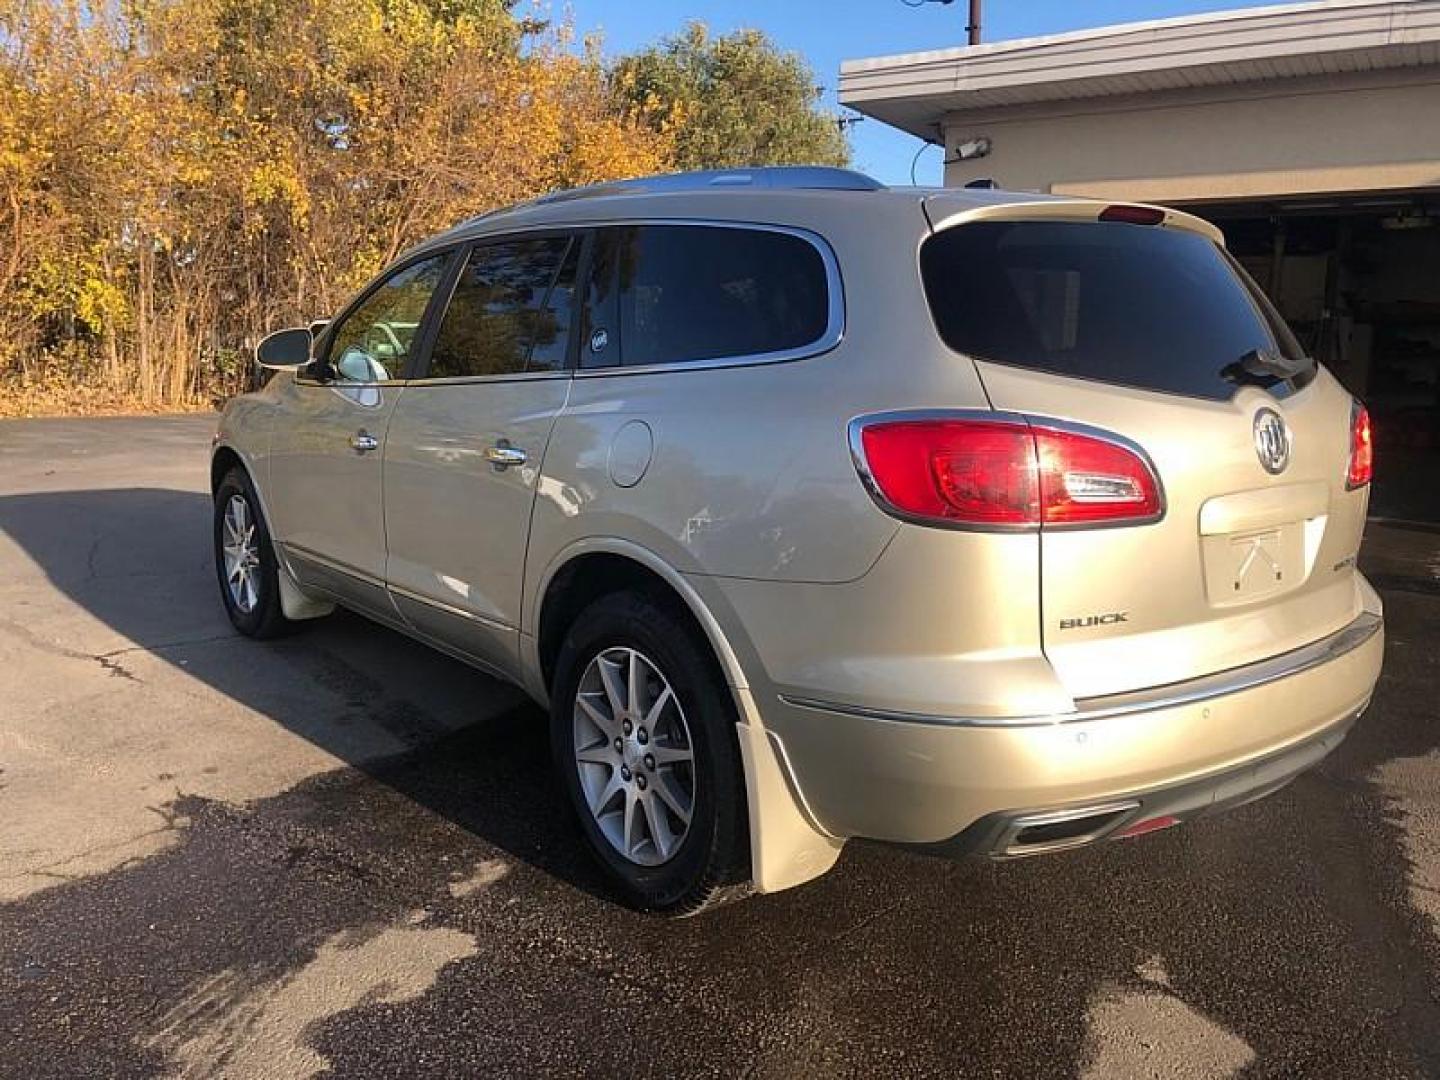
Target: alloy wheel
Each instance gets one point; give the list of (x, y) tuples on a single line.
[(241, 552), (634, 756)]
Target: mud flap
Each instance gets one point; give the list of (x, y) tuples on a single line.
[(786, 848)]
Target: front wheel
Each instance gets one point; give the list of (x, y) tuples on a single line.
[(642, 727), (245, 560)]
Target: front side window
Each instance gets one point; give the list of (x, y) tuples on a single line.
[(373, 343), (690, 293), (510, 312)]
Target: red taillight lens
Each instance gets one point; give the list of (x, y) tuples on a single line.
[(978, 472), (1006, 473), (1133, 215), (1362, 448)]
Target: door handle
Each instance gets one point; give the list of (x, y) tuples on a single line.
[(362, 443), (502, 455)]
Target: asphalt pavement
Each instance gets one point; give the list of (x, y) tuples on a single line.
[(341, 851)]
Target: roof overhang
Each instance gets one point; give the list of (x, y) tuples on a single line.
[(1255, 45)]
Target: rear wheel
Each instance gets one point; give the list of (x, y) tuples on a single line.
[(642, 727), (245, 560)]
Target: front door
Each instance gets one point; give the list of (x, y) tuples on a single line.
[(466, 445), (328, 444)]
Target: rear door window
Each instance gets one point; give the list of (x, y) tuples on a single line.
[(510, 311), (1137, 305), (687, 293)]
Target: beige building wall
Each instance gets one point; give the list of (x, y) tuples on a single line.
[(1372, 131)]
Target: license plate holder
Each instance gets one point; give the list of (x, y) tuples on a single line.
[(1243, 567)]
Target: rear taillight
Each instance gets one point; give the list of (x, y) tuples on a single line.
[(1362, 448), (1089, 479), (965, 471), (1003, 473)]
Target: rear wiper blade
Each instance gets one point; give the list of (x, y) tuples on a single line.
[(1260, 367)]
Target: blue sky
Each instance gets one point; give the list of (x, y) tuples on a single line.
[(827, 31)]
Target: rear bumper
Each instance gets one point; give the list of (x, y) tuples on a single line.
[(1182, 751), (1015, 835)]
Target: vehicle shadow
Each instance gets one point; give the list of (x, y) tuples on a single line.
[(1282, 927), (138, 560)]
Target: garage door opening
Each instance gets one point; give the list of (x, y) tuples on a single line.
[(1359, 281)]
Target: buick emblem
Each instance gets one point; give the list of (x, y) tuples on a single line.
[(1272, 441)]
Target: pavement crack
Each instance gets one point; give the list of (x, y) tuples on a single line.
[(50, 869), (90, 559), (878, 913), (117, 669), (166, 645), (54, 648), (34, 640)]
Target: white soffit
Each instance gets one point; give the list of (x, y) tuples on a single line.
[(1251, 45)]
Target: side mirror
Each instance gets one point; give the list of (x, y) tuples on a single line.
[(284, 350)]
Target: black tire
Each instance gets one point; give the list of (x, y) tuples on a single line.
[(265, 619), (712, 863)]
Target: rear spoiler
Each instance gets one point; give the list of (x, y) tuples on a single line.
[(945, 211)]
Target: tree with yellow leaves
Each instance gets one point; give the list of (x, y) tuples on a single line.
[(179, 177)]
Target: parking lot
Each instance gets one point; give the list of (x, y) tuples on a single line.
[(343, 851)]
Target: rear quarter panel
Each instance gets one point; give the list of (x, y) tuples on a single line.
[(750, 475), (1155, 573)]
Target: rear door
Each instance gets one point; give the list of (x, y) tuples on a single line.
[(465, 446), (1149, 331)]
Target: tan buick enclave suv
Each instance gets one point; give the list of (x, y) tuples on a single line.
[(976, 521)]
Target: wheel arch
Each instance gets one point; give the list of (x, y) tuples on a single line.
[(590, 569), (294, 601), (787, 847), (224, 459)]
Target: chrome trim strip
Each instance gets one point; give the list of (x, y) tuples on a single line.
[(835, 287), (449, 609), (324, 562), (509, 376), (1192, 691), (1316, 654), (1007, 847), (344, 384)]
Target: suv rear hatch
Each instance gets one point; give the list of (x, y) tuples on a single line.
[(1135, 321)]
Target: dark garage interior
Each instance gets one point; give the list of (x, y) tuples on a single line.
[(1358, 278)]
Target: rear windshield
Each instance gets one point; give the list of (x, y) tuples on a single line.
[(1139, 305)]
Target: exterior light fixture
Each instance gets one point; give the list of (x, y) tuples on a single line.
[(972, 149)]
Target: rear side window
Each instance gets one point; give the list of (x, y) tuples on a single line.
[(687, 293), (1143, 306), (510, 311)]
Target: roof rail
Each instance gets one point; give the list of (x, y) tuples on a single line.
[(774, 177)]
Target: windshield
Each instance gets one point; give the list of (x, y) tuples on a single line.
[(1139, 305)]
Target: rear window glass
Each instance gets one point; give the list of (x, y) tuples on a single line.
[(689, 293), (1154, 308)]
